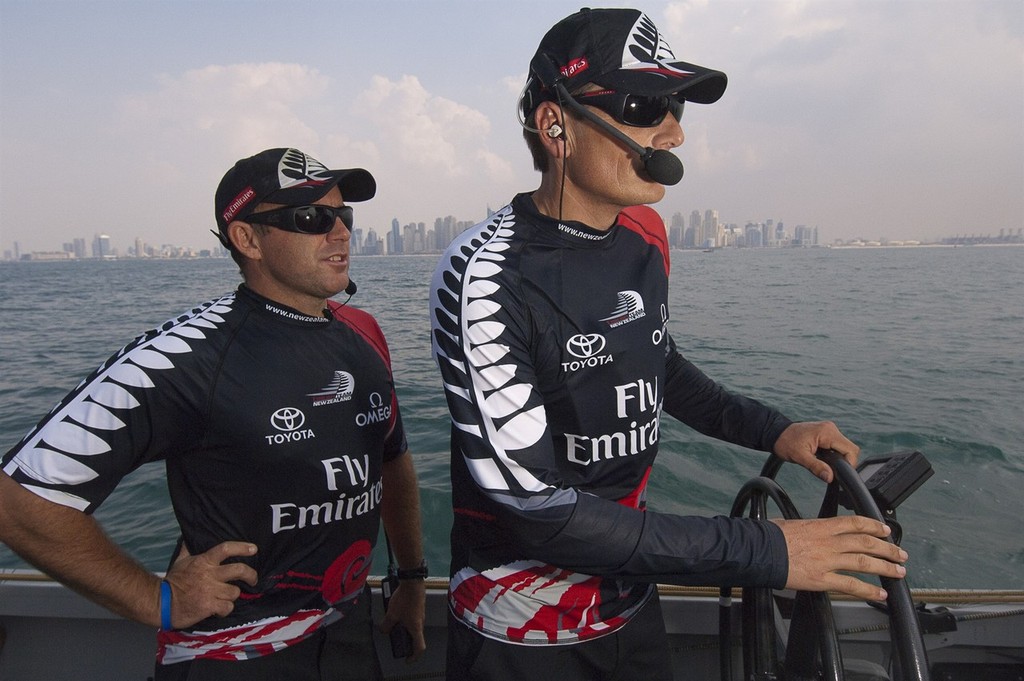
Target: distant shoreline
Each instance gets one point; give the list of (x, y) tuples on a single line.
[(864, 246), (928, 245)]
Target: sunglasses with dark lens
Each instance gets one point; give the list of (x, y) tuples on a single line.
[(641, 111), (313, 219)]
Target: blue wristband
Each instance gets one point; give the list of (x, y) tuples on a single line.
[(165, 605)]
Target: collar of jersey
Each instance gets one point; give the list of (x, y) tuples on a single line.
[(278, 310), (576, 233)]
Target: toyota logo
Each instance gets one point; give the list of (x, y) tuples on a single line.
[(584, 345), (287, 419)]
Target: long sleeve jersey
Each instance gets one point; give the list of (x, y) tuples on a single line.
[(553, 347), (273, 426)]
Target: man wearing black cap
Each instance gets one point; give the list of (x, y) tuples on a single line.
[(549, 326), (275, 412)]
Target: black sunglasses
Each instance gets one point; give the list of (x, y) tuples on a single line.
[(313, 219), (641, 111)]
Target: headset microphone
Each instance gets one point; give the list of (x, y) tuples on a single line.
[(351, 288), (661, 165)]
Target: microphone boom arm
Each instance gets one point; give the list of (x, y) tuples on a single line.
[(663, 166)]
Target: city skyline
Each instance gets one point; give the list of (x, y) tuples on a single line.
[(696, 230), (864, 118), (411, 237)]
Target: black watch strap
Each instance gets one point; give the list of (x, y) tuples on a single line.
[(418, 572)]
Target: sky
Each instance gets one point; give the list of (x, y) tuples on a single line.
[(901, 119)]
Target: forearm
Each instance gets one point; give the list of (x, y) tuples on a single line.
[(400, 511), (605, 538), (718, 551), (72, 548)]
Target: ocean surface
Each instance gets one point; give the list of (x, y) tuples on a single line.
[(905, 348)]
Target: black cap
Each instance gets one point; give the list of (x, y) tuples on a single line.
[(285, 176), (620, 49)]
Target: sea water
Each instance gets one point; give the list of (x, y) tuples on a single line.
[(904, 348)]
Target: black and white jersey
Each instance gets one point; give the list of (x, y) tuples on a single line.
[(552, 342), (273, 426)]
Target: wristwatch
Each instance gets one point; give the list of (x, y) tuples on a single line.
[(419, 572)]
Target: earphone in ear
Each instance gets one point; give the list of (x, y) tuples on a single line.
[(554, 131)]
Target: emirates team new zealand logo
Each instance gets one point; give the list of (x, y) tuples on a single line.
[(340, 389), (649, 49), (296, 168)]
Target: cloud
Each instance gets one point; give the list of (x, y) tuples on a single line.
[(430, 155), (434, 155), (862, 116), (429, 133), (239, 108), (425, 131), (838, 113)]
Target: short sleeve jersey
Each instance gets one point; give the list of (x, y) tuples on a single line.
[(553, 346), (273, 425)]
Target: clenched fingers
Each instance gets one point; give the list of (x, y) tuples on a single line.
[(799, 442)]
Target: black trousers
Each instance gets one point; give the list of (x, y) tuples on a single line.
[(638, 650)]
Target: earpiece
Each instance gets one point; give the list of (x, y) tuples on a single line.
[(554, 131)]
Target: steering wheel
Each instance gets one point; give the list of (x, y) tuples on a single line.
[(812, 649)]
